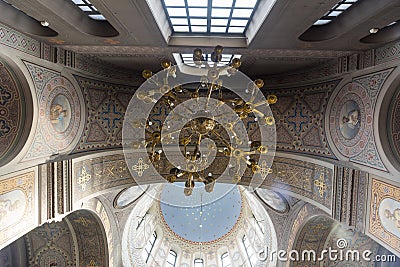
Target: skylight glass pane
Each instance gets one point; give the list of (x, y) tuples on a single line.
[(220, 12), (338, 9), (218, 29), (343, 6), (97, 17), (209, 13), (199, 29), (198, 22), (197, 3), (245, 3), (178, 21), (239, 22), (236, 29), (177, 12), (198, 12), (335, 13), (222, 3), (219, 22), (181, 28), (242, 13), (90, 10), (322, 22), (85, 8), (174, 2)]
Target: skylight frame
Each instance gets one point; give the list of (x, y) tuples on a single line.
[(334, 12), (227, 29), (188, 59), (89, 9)]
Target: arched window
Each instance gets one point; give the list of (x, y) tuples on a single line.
[(198, 262), (226, 260), (149, 246), (251, 254), (171, 259)]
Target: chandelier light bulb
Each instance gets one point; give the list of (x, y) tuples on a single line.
[(44, 23)]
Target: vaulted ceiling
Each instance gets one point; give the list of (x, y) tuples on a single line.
[(136, 34)]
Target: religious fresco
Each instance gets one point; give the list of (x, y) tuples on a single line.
[(384, 218), (389, 214), (351, 119), (12, 208), (17, 206), (60, 113), (273, 199)]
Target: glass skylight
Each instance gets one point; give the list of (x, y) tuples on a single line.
[(89, 9), (226, 59), (209, 16), (338, 9)]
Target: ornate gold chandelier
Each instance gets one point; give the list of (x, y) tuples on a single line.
[(214, 114)]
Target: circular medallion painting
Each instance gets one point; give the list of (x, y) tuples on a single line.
[(60, 114), (350, 119)]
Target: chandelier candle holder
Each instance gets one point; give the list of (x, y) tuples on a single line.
[(200, 124)]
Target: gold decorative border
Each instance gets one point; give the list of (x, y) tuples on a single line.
[(379, 191)]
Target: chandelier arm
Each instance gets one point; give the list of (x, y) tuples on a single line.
[(229, 146), (264, 102)]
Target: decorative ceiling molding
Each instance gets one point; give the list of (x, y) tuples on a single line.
[(101, 50)]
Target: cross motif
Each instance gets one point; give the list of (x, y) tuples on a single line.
[(298, 119), (321, 185), (264, 170), (92, 263), (84, 178), (82, 220), (111, 115), (140, 167), (5, 96)]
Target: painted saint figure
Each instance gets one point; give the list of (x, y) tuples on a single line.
[(352, 119), (394, 216), (57, 114)]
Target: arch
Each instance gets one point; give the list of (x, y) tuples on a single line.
[(321, 233), (90, 236), (387, 112), (16, 110)]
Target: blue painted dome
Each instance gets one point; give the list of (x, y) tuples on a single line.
[(201, 217)]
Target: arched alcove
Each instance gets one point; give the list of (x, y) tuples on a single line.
[(77, 240), (16, 110)]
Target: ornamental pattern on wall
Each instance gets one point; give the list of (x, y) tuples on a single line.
[(59, 112), (12, 111), (351, 119), (106, 104), (299, 116), (308, 180), (19, 41), (394, 127)]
